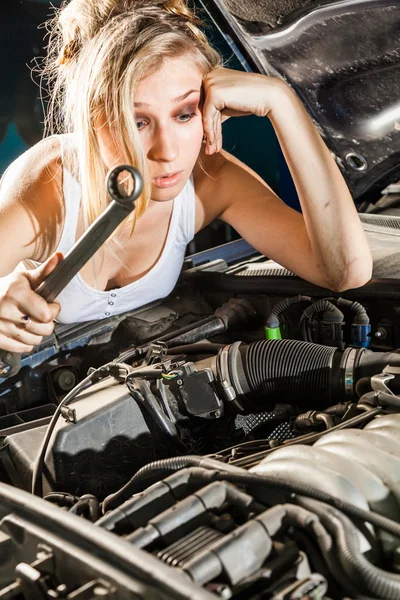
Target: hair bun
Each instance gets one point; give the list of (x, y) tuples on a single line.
[(80, 20), (179, 7)]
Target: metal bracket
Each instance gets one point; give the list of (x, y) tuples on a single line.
[(69, 414), (156, 353), (379, 382)]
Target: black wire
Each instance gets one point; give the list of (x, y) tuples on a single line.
[(199, 347), (168, 337), (142, 394), (37, 482), (300, 489), (133, 353), (178, 332), (293, 489), (87, 506), (282, 485), (62, 499), (304, 330)]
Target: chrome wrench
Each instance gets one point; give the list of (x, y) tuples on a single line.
[(100, 230)]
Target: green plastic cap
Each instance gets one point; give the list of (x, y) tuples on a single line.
[(272, 333)]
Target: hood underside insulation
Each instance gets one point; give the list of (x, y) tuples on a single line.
[(269, 12)]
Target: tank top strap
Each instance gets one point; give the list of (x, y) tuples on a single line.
[(189, 210), (72, 197)]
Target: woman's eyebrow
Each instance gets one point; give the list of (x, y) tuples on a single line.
[(175, 100)]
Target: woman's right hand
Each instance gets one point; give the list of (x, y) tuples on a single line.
[(18, 299)]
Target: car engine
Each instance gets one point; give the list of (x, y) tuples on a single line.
[(234, 440)]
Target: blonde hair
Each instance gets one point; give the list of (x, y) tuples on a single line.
[(98, 52)]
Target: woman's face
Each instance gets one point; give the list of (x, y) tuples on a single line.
[(169, 121)]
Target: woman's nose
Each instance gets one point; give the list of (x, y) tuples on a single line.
[(164, 146)]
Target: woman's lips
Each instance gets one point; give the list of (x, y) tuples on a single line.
[(166, 182)]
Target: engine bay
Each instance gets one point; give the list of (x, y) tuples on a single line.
[(245, 438), (240, 438)]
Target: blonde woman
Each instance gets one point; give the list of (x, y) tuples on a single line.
[(136, 81)]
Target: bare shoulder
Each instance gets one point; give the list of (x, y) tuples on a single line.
[(38, 166), (31, 202), (221, 180)]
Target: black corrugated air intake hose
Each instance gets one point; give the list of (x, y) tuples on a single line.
[(295, 371)]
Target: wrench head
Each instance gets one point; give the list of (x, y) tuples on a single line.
[(124, 184)]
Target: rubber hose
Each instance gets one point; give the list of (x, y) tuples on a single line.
[(304, 490), (384, 584), (61, 499), (372, 363), (361, 316), (293, 371), (290, 370), (323, 539), (363, 386), (331, 312), (178, 332), (331, 315), (211, 328), (273, 319), (337, 410), (89, 506), (233, 313)]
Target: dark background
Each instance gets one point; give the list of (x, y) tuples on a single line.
[(22, 40)]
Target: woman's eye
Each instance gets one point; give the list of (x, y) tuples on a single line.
[(186, 117), (183, 118), (140, 124)]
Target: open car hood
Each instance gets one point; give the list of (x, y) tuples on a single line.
[(343, 61), (238, 439)]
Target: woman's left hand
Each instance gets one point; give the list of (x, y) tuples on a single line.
[(230, 93)]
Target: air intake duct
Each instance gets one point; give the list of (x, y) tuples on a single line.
[(292, 371)]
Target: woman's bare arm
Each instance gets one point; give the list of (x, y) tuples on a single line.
[(326, 244), (30, 203), (31, 207)]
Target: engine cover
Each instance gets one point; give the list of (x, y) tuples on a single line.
[(110, 439)]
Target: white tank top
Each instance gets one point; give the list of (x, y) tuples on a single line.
[(80, 302)]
